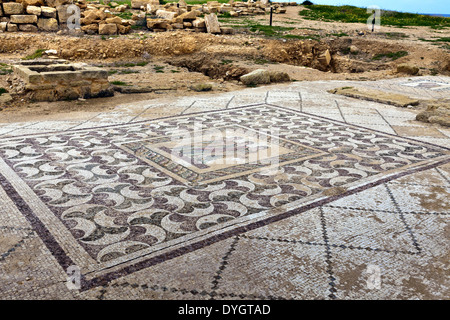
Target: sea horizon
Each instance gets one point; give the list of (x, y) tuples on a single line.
[(446, 15), (437, 15)]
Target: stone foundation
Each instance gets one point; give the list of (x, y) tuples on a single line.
[(54, 80)]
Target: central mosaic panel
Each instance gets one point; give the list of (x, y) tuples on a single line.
[(205, 156), (122, 194)]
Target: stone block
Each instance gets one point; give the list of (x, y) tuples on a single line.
[(29, 76), (11, 27), (90, 28), (94, 73), (107, 29), (123, 29), (259, 76), (35, 3), (56, 3), (11, 8), (191, 15), (163, 14), (226, 30), (199, 23), (50, 24), (34, 10), (61, 76), (137, 4), (48, 12), (325, 58), (157, 24), (212, 23), (28, 28), (24, 19), (116, 20), (408, 69)]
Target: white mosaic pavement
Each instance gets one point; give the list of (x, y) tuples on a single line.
[(324, 246)]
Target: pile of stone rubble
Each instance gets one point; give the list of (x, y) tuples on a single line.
[(200, 18), (53, 16), (110, 18), (32, 15)]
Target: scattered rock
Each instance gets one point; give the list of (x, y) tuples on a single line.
[(5, 99), (325, 58), (408, 69), (201, 87), (259, 76), (212, 23), (436, 113), (132, 89), (354, 49), (279, 76)]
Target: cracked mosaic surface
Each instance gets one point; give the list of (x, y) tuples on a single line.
[(371, 188), (121, 201)]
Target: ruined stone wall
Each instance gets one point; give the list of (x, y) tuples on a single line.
[(53, 15), (33, 15), (105, 18)]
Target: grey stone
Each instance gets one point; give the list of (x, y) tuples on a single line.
[(258, 76)]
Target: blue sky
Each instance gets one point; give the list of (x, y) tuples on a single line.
[(414, 6)]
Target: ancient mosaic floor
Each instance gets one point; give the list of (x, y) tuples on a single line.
[(358, 209)]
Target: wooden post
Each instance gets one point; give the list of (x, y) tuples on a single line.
[(271, 14)]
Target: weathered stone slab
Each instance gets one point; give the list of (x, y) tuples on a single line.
[(408, 69), (3, 26), (24, 19), (11, 27), (48, 12), (10, 8), (212, 23), (395, 99), (28, 28), (34, 10), (259, 76), (36, 3), (107, 29), (50, 24), (137, 4), (163, 14), (199, 23), (51, 80)]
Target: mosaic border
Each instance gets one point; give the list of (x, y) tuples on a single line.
[(65, 261)]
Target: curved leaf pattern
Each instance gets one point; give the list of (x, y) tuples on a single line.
[(116, 204)]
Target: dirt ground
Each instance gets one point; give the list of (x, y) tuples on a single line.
[(171, 63)]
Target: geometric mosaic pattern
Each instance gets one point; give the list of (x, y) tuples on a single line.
[(428, 84), (111, 201)]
